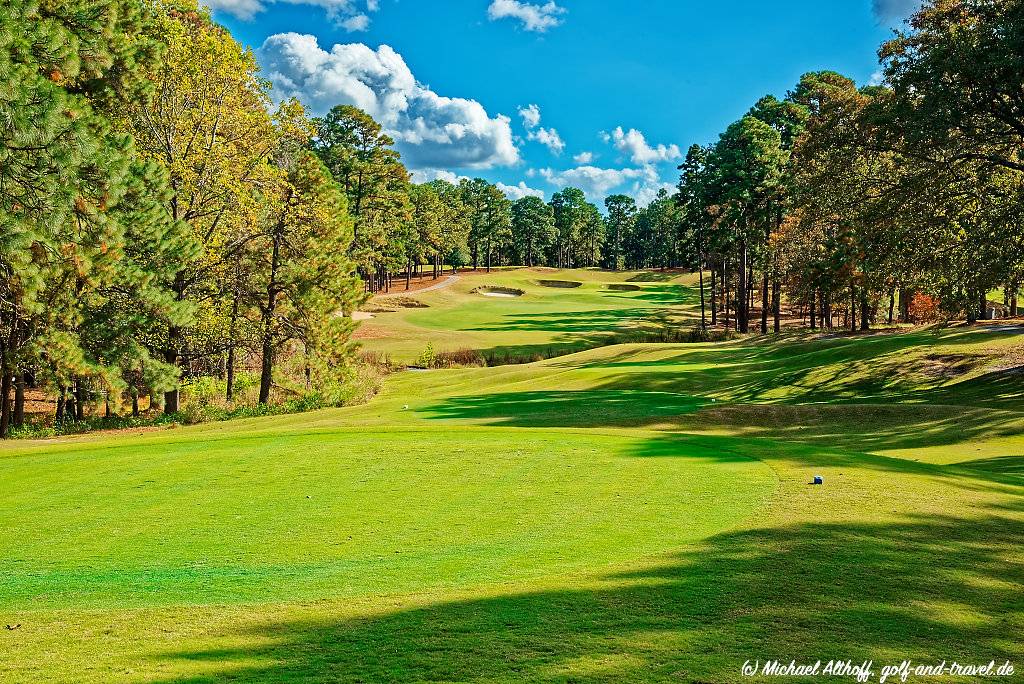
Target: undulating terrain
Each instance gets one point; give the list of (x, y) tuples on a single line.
[(637, 512), (524, 312)]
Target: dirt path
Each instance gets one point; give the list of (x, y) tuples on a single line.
[(451, 280)]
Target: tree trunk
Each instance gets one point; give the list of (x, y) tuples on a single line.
[(171, 397), (19, 400), (267, 366), (814, 313), (1013, 300), (777, 305), (764, 304), (79, 399), (725, 291), (703, 317), (59, 414), (865, 315), (5, 399), (983, 305), (408, 274), (135, 403), (892, 305), (714, 298), (741, 291), (267, 369), (852, 320)]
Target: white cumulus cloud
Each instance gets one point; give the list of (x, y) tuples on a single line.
[(548, 137), (592, 180), (430, 130), (515, 192), (634, 146), (530, 115), (427, 175), (534, 17), (357, 22), (346, 13), (597, 183), (583, 158)]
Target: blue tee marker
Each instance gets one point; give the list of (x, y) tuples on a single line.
[(818, 479)]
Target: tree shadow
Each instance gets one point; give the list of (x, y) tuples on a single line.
[(883, 367), (861, 429), (925, 589), (598, 408), (587, 321)]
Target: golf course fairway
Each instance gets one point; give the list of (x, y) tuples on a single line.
[(631, 513)]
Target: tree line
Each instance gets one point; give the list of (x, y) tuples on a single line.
[(162, 219), (861, 204), (158, 217)]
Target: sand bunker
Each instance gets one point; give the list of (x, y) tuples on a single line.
[(361, 315), (624, 287), (489, 291), (559, 283)]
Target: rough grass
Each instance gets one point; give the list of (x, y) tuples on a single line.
[(627, 514)]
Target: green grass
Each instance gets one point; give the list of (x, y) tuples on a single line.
[(627, 514), (545, 321)]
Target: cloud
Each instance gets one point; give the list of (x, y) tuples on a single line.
[(583, 158), (427, 175), (430, 130), (887, 10), (592, 180), (345, 13), (545, 136), (530, 115), (534, 17), (549, 138), (633, 144), (597, 183), (645, 193), (358, 22), (877, 78), (515, 192)]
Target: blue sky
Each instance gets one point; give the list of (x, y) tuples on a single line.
[(621, 87)]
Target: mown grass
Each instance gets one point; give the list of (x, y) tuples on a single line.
[(545, 321), (627, 514)]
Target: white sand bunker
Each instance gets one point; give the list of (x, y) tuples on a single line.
[(489, 291), (361, 315)]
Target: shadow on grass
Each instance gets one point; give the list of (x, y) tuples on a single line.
[(925, 589), (653, 277), (587, 321), (566, 409), (842, 370), (859, 428)]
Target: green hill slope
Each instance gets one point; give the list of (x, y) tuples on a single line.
[(630, 513)]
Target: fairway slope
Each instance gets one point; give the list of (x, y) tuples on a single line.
[(630, 513)]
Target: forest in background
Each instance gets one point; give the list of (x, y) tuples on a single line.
[(163, 219)]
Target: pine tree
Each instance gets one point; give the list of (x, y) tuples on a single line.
[(70, 209)]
